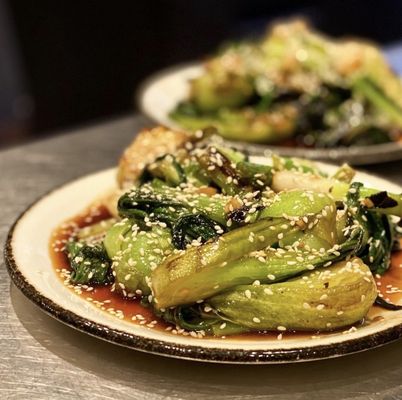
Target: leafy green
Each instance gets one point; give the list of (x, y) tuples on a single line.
[(321, 300), (167, 169), (192, 227), (90, 263), (136, 253), (378, 233)]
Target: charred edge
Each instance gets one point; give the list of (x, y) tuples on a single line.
[(382, 200), (239, 215), (387, 305)]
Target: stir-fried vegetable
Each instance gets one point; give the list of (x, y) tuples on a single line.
[(136, 253), (377, 200), (333, 298), (295, 84), (217, 244), (89, 263)]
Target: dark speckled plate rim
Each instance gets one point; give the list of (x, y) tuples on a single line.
[(180, 351), (356, 155)]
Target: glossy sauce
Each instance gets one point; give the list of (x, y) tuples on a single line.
[(131, 309)]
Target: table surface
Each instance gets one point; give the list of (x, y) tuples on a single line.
[(40, 358)]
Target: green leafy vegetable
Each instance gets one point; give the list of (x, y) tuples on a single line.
[(136, 253), (90, 263), (194, 227), (217, 244), (329, 299), (167, 169)]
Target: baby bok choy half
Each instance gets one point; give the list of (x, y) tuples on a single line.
[(218, 244)]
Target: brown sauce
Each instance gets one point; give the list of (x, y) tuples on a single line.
[(131, 309)]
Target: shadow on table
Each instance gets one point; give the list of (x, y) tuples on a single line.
[(364, 374)]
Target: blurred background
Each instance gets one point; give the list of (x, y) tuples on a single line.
[(64, 63)]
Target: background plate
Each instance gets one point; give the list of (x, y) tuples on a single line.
[(163, 91)]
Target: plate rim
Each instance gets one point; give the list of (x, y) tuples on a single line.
[(356, 155), (178, 350)]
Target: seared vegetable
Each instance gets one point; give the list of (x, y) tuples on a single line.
[(321, 300), (268, 127), (188, 277), (168, 205), (197, 227), (176, 284), (295, 84), (219, 245), (166, 168), (89, 263), (380, 201), (135, 254), (378, 233), (384, 104), (174, 281)]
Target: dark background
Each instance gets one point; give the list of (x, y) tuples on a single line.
[(65, 63)]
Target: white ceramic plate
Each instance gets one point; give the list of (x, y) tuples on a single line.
[(30, 267), (160, 94)]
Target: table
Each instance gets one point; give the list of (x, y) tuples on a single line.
[(40, 358)]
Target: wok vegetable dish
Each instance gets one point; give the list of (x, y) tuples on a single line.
[(296, 87), (218, 244)]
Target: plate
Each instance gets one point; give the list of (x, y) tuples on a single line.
[(159, 95), (29, 265)]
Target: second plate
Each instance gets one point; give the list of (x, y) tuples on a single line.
[(159, 95)]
